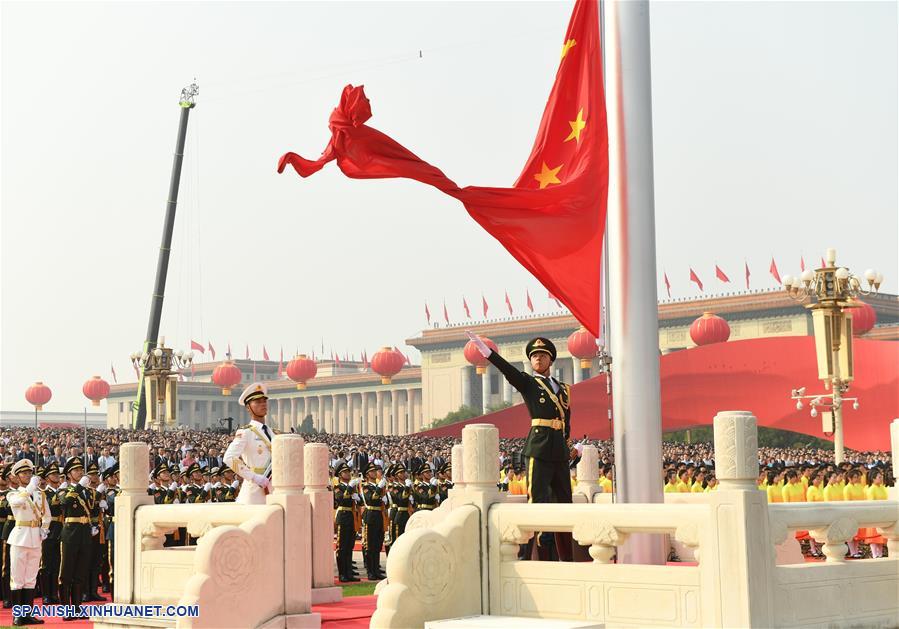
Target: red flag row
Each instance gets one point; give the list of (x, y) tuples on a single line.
[(485, 308), (724, 279)]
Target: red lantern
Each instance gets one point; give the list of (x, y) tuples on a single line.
[(863, 317), (301, 369), (96, 389), (387, 362), (709, 328), (38, 394), (474, 356), (226, 376), (582, 344)]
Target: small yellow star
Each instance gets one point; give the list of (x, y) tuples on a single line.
[(548, 175), (568, 46), (577, 125)]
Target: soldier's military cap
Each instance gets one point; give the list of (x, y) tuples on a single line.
[(159, 469), (93, 469), (21, 466), (446, 468), (193, 467), (399, 467), (424, 467), (215, 471), (541, 344), (343, 467), (75, 463), (253, 392), (224, 468), (39, 471), (371, 467), (53, 468), (109, 471)]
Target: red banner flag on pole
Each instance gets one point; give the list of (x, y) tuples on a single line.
[(484, 306), (746, 264), (228, 353), (823, 264), (508, 303), (530, 304), (561, 190), (281, 364), (667, 284), (196, 346), (445, 314), (212, 350), (112, 369), (264, 353), (695, 278), (553, 297), (465, 306), (720, 274), (774, 273), (427, 313), (248, 353), (802, 263)]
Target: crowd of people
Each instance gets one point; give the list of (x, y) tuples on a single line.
[(378, 482)]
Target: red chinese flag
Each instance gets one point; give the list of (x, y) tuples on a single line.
[(196, 346), (823, 264), (530, 304), (746, 264), (562, 189), (667, 284), (212, 350), (720, 274), (112, 369), (264, 353), (427, 313), (484, 305), (695, 278), (551, 296), (465, 305), (802, 263), (508, 303), (248, 352), (445, 314), (774, 273)]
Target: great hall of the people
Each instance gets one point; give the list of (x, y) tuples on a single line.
[(346, 397)]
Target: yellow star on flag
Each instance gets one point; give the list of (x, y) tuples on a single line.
[(548, 175), (577, 125), (568, 45)]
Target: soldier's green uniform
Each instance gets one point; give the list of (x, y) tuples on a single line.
[(109, 518), (50, 546), (223, 491), (444, 484), (192, 492), (372, 524), (345, 523), (423, 491), (401, 497), (76, 502)]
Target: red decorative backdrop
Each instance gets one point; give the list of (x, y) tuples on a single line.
[(753, 375)]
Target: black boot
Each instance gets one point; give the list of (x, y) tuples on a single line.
[(65, 597), (14, 599), (27, 598)]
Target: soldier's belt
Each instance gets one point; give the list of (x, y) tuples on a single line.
[(427, 507), (58, 518), (374, 508), (82, 520), (10, 517), (555, 424), (344, 508), (28, 523), (259, 470), (95, 520)]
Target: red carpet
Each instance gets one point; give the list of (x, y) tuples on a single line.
[(354, 612)]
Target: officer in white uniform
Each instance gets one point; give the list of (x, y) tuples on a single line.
[(32, 513), (250, 454)]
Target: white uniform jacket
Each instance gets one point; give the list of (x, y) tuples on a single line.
[(32, 508), (250, 451)]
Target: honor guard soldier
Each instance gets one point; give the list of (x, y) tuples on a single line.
[(444, 484), (194, 491), (226, 491), (76, 536), (424, 491), (50, 546), (548, 444), (111, 481), (373, 521), (391, 510), (31, 517), (8, 524), (250, 454), (345, 497), (97, 504), (401, 497)]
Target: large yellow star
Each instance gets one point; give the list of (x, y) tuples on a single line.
[(568, 45), (548, 175), (577, 125)]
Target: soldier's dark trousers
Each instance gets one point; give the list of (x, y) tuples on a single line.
[(550, 481), (50, 569), (346, 539), (374, 540), (5, 573), (399, 525), (75, 555)]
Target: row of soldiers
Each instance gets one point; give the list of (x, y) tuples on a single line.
[(169, 485), (380, 504)]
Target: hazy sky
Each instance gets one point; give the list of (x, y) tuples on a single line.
[(775, 130)]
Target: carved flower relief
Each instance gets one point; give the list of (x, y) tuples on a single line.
[(420, 520), (233, 561), (433, 567), (513, 535), (726, 450), (590, 532)]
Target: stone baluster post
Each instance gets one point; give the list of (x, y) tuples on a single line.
[(588, 473), (134, 472), (322, 503), (737, 556), (892, 533), (456, 461), (288, 475)]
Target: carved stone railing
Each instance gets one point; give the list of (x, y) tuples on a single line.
[(259, 555)]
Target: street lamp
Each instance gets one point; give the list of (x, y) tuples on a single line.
[(834, 289), (158, 366)]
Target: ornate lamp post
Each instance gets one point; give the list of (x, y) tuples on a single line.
[(833, 288), (158, 366)]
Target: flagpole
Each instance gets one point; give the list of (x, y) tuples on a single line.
[(633, 316)]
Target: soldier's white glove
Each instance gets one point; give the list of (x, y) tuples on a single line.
[(408, 483), (104, 505), (262, 481), (35, 480), (174, 486), (207, 486), (44, 534), (384, 499), (355, 497), (382, 483), (235, 484), (481, 345), (101, 488), (95, 531), (355, 481), (153, 486), (433, 481), (85, 481)]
